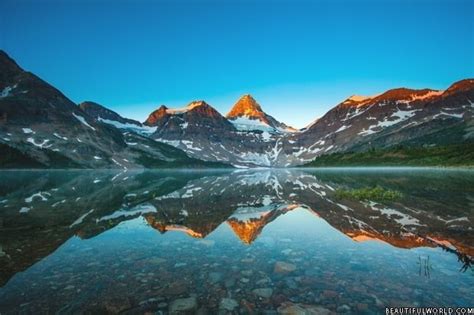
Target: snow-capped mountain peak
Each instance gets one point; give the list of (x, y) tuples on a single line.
[(190, 106), (248, 115), (247, 107)]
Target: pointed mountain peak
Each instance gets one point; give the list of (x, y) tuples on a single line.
[(193, 112), (195, 104), (246, 106), (189, 107), (248, 115), (156, 115), (248, 98), (7, 61), (8, 68)]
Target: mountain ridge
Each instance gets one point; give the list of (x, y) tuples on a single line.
[(247, 114), (40, 127), (37, 121)]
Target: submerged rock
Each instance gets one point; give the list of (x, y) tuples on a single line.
[(284, 267), (183, 305), (228, 304), (343, 309), (263, 292), (177, 288), (215, 277), (117, 305), (302, 309)]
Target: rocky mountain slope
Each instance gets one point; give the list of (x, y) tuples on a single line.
[(41, 128), (202, 132), (106, 115), (396, 117)]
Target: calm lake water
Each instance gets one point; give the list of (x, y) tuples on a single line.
[(260, 241)]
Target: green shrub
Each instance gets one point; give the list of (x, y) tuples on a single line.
[(369, 193)]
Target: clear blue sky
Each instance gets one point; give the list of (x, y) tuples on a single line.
[(298, 58)]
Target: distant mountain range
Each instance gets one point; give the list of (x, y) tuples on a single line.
[(41, 128)]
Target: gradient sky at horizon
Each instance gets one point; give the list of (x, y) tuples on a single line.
[(297, 58)]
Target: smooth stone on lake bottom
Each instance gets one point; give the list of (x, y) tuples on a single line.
[(289, 308), (177, 265), (284, 267), (228, 304), (183, 305), (344, 308), (215, 277), (263, 292)]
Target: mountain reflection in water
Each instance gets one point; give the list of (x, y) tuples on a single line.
[(248, 241)]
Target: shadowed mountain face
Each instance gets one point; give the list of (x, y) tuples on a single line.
[(106, 115), (38, 217), (203, 133), (41, 128), (396, 117), (412, 118), (399, 117)]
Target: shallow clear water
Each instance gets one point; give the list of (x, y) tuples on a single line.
[(247, 241)]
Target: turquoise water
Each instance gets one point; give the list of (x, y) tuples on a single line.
[(234, 241)]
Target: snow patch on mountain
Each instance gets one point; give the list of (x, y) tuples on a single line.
[(80, 219), (189, 145), (174, 143), (399, 115), (245, 123), (343, 127), (41, 195), (174, 111), (42, 145), (59, 136), (449, 115), (132, 127), (254, 158), (266, 136), (399, 217), (7, 91), (138, 210), (83, 121)]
